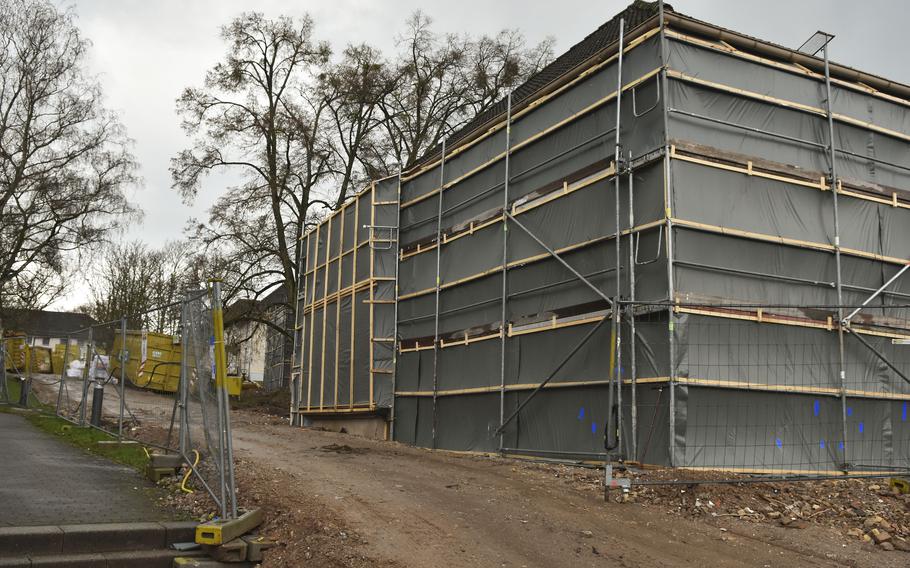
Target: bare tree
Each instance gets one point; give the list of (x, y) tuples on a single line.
[(443, 82), (497, 64), (142, 284), (249, 117), (306, 131), (353, 90), (64, 158)]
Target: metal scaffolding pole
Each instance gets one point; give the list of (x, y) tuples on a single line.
[(633, 366), (617, 306), (442, 181), (837, 251), (505, 273), (395, 306), (668, 213), (296, 381)]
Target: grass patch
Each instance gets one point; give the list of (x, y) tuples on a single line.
[(87, 438), (13, 389)]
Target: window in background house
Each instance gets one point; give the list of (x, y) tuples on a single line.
[(45, 341)]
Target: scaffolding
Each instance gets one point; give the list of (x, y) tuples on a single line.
[(647, 259)]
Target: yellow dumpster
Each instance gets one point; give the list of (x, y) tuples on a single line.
[(15, 353), (72, 354), (154, 360), (41, 360)]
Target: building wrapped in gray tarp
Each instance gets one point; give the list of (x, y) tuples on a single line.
[(691, 282)]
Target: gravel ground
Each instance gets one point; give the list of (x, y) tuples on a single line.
[(338, 500)]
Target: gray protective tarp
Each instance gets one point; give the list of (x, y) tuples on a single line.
[(750, 395)]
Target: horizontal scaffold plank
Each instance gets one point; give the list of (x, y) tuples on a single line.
[(686, 381)]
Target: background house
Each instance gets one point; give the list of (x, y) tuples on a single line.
[(245, 340), (279, 347), (47, 328), (257, 349)]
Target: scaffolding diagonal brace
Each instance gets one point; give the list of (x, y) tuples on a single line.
[(552, 374), (561, 260), (879, 354), (875, 294)]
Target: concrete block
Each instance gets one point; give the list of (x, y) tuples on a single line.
[(233, 551), (30, 540), (179, 531), (255, 546), (172, 461), (112, 537), (217, 533), (156, 474)]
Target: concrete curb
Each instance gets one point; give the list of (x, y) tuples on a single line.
[(92, 538), (24, 540)]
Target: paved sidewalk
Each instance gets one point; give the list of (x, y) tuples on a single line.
[(44, 481)]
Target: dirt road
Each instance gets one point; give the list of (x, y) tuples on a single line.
[(424, 508), (380, 503)]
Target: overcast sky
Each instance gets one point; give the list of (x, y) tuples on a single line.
[(145, 52)]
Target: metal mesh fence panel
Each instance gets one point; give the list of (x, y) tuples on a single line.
[(202, 425), (758, 391)]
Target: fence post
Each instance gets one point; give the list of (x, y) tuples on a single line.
[(89, 349), (66, 352), (224, 413), (124, 356), (25, 381), (183, 387), (4, 394)]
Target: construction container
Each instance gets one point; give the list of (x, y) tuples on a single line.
[(15, 353), (57, 358), (154, 360)]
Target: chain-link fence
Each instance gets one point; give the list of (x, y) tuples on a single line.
[(166, 384)]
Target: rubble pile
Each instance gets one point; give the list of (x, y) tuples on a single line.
[(866, 509)]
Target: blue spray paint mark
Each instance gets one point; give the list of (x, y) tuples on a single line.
[(849, 411), (779, 442), (860, 427), (816, 407), (904, 413), (581, 413), (821, 444), (840, 445), (593, 427)]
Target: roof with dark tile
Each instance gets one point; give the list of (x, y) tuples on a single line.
[(635, 14), (43, 323)]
